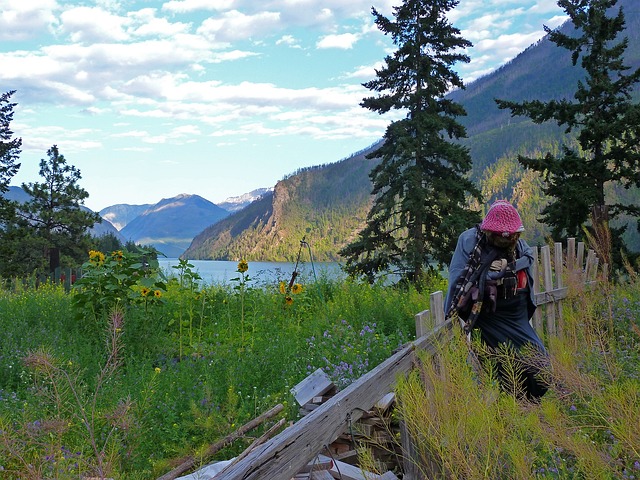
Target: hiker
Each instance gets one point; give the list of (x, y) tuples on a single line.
[(490, 289)]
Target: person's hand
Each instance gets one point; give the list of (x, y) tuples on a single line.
[(498, 265)]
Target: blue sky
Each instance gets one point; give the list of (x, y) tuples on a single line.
[(151, 99)]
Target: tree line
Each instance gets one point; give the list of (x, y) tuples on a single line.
[(51, 228)]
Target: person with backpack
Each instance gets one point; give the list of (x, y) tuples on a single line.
[(491, 291)]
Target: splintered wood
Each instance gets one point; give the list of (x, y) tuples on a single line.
[(372, 431)]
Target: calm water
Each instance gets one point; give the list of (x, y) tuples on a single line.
[(219, 271)]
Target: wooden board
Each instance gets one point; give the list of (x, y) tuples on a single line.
[(313, 386)]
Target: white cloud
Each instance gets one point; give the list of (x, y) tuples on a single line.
[(343, 41), (21, 20), (289, 40), (507, 46), (147, 24), (186, 6), (235, 25), (93, 24), (365, 72)]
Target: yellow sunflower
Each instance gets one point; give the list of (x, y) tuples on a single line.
[(282, 287), (288, 300), (296, 288), (243, 266), (96, 257), (157, 293), (145, 291)]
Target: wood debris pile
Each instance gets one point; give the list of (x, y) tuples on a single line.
[(372, 431)]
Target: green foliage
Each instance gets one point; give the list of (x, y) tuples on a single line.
[(420, 186), (603, 117), (9, 154), (240, 351), (9, 147), (117, 280), (167, 404), (53, 214), (586, 426)]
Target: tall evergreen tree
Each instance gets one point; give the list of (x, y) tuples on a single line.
[(55, 212), (9, 154), (603, 117), (420, 186)]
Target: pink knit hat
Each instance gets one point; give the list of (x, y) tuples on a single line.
[(502, 218)]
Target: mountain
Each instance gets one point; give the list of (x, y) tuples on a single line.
[(171, 224), (17, 194), (234, 204), (327, 205), (121, 214)]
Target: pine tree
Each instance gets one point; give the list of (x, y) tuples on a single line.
[(603, 117), (54, 211), (420, 187), (9, 153)]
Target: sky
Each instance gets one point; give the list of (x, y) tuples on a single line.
[(152, 99)]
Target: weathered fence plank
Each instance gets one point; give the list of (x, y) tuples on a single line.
[(548, 286), (558, 265)]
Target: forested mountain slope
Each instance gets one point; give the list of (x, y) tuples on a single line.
[(328, 205)]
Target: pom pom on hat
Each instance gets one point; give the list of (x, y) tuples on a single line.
[(502, 218)]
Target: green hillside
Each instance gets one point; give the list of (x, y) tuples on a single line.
[(327, 205)]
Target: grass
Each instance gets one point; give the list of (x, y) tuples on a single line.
[(586, 427), (156, 370), (123, 379)]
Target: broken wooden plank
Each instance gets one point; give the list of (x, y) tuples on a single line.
[(314, 385), (385, 402), (345, 471)]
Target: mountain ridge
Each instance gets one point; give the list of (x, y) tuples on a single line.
[(542, 71)]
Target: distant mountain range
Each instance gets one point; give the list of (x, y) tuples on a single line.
[(168, 225), (171, 224)]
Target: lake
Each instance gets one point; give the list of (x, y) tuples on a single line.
[(220, 271)]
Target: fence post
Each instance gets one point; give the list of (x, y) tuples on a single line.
[(422, 323), (571, 254), (580, 256), (436, 302), (548, 286), (558, 263), (537, 316)]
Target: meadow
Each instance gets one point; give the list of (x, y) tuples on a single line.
[(130, 372)]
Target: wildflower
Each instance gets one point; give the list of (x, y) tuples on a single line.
[(96, 257), (145, 291), (282, 287), (297, 288), (288, 300), (243, 266), (157, 293), (157, 369)]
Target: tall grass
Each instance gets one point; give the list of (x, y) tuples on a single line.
[(126, 393), (466, 426)]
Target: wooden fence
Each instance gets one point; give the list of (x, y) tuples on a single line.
[(287, 453)]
